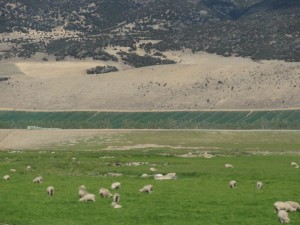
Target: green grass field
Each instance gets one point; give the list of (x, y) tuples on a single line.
[(200, 194), (277, 119)]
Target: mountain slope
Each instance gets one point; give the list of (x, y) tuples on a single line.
[(261, 29)]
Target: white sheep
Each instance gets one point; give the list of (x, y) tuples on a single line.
[(283, 216), (6, 177), (171, 175), (207, 155), (116, 185), (103, 192), (147, 188), (295, 205), (259, 185), (38, 180), (232, 184), (50, 190), (82, 191), (116, 205), (153, 169), (28, 168), (116, 198), (13, 170), (88, 197), (157, 176), (144, 175), (82, 187), (168, 176), (284, 206), (227, 165), (295, 165)]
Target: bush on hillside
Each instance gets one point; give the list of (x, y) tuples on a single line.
[(101, 69)]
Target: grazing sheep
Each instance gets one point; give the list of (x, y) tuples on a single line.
[(227, 165), (283, 216), (28, 168), (82, 191), (103, 192), (82, 187), (157, 176), (38, 180), (153, 169), (50, 190), (232, 184), (116, 185), (88, 197), (283, 206), (259, 185), (116, 198), (169, 176), (207, 155), (295, 165), (13, 170), (147, 188), (116, 205), (144, 175), (295, 205), (6, 177)]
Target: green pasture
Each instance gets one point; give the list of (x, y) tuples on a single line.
[(199, 196), (177, 141), (277, 119)]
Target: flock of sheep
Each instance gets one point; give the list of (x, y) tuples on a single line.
[(282, 208), (85, 196)]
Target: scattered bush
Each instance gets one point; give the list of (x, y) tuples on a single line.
[(101, 69), (141, 61), (4, 79)]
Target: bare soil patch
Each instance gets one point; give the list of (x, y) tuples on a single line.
[(35, 139)]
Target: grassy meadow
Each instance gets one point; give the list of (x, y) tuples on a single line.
[(199, 195)]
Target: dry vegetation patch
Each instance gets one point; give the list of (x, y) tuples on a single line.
[(199, 81)]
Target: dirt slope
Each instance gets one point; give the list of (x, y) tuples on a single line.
[(198, 82)]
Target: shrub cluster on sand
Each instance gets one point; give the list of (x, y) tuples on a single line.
[(101, 69)]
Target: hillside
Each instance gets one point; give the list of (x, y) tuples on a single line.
[(260, 29), (156, 55), (198, 81)]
